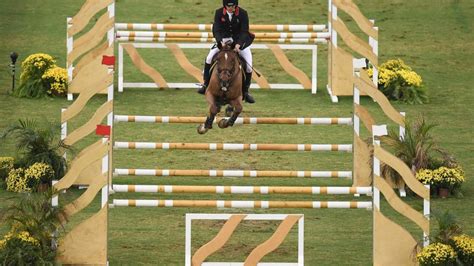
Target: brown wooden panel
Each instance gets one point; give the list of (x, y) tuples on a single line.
[(91, 125), (393, 245), (92, 89), (93, 70), (144, 67), (403, 170), (92, 38), (363, 83), (98, 182), (354, 42), (93, 57), (88, 10), (364, 116), (352, 10), (218, 241), (289, 67), (93, 153), (273, 242), (86, 244), (362, 163), (86, 176), (89, 76), (184, 62), (342, 72), (400, 206)]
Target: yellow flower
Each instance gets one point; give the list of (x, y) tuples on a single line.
[(425, 176), (436, 254), (397, 72), (34, 66), (23, 236), (16, 181), (39, 171), (449, 176), (410, 77), (464, 245), (6, 163), (57, 79), (26, 237)]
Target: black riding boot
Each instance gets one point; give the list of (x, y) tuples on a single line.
[(248, 80), (206, 78)]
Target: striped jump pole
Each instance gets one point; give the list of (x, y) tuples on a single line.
[(240, 120), (230, 173), (243, 189), (211, 40), (258, 35), (243, 204), (233, 146), (208, 27)]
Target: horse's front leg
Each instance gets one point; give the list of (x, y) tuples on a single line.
[(237, 104), (213, 110)]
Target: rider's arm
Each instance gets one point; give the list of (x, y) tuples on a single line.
[(244, 28), (218, 27)]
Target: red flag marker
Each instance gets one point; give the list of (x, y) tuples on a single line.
[(102, 130), (108, 60)]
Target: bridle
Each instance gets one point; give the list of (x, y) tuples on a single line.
[(226, 71)]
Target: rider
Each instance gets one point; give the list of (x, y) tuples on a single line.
[(231, 24)]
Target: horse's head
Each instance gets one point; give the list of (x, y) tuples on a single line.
[(227, 66)]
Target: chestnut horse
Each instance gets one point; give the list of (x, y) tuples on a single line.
[(225, 87)]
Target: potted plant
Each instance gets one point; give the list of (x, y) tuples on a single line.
[(448, 179)]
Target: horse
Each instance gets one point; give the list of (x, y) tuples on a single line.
[(225, 87)]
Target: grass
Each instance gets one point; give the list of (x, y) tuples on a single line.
[(434, 37)]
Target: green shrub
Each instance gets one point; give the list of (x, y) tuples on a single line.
[(33, 69), (22, 249), (32, 222), (38, 145), (399, 82)]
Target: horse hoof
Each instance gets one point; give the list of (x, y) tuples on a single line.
[(201, 129), (223, 123), (229, 110)]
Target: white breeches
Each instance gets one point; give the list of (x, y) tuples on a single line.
[(246, 54)]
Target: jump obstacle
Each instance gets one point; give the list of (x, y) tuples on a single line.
[(93, 166)]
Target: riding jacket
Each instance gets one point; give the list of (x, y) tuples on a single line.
[(237, 28)]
